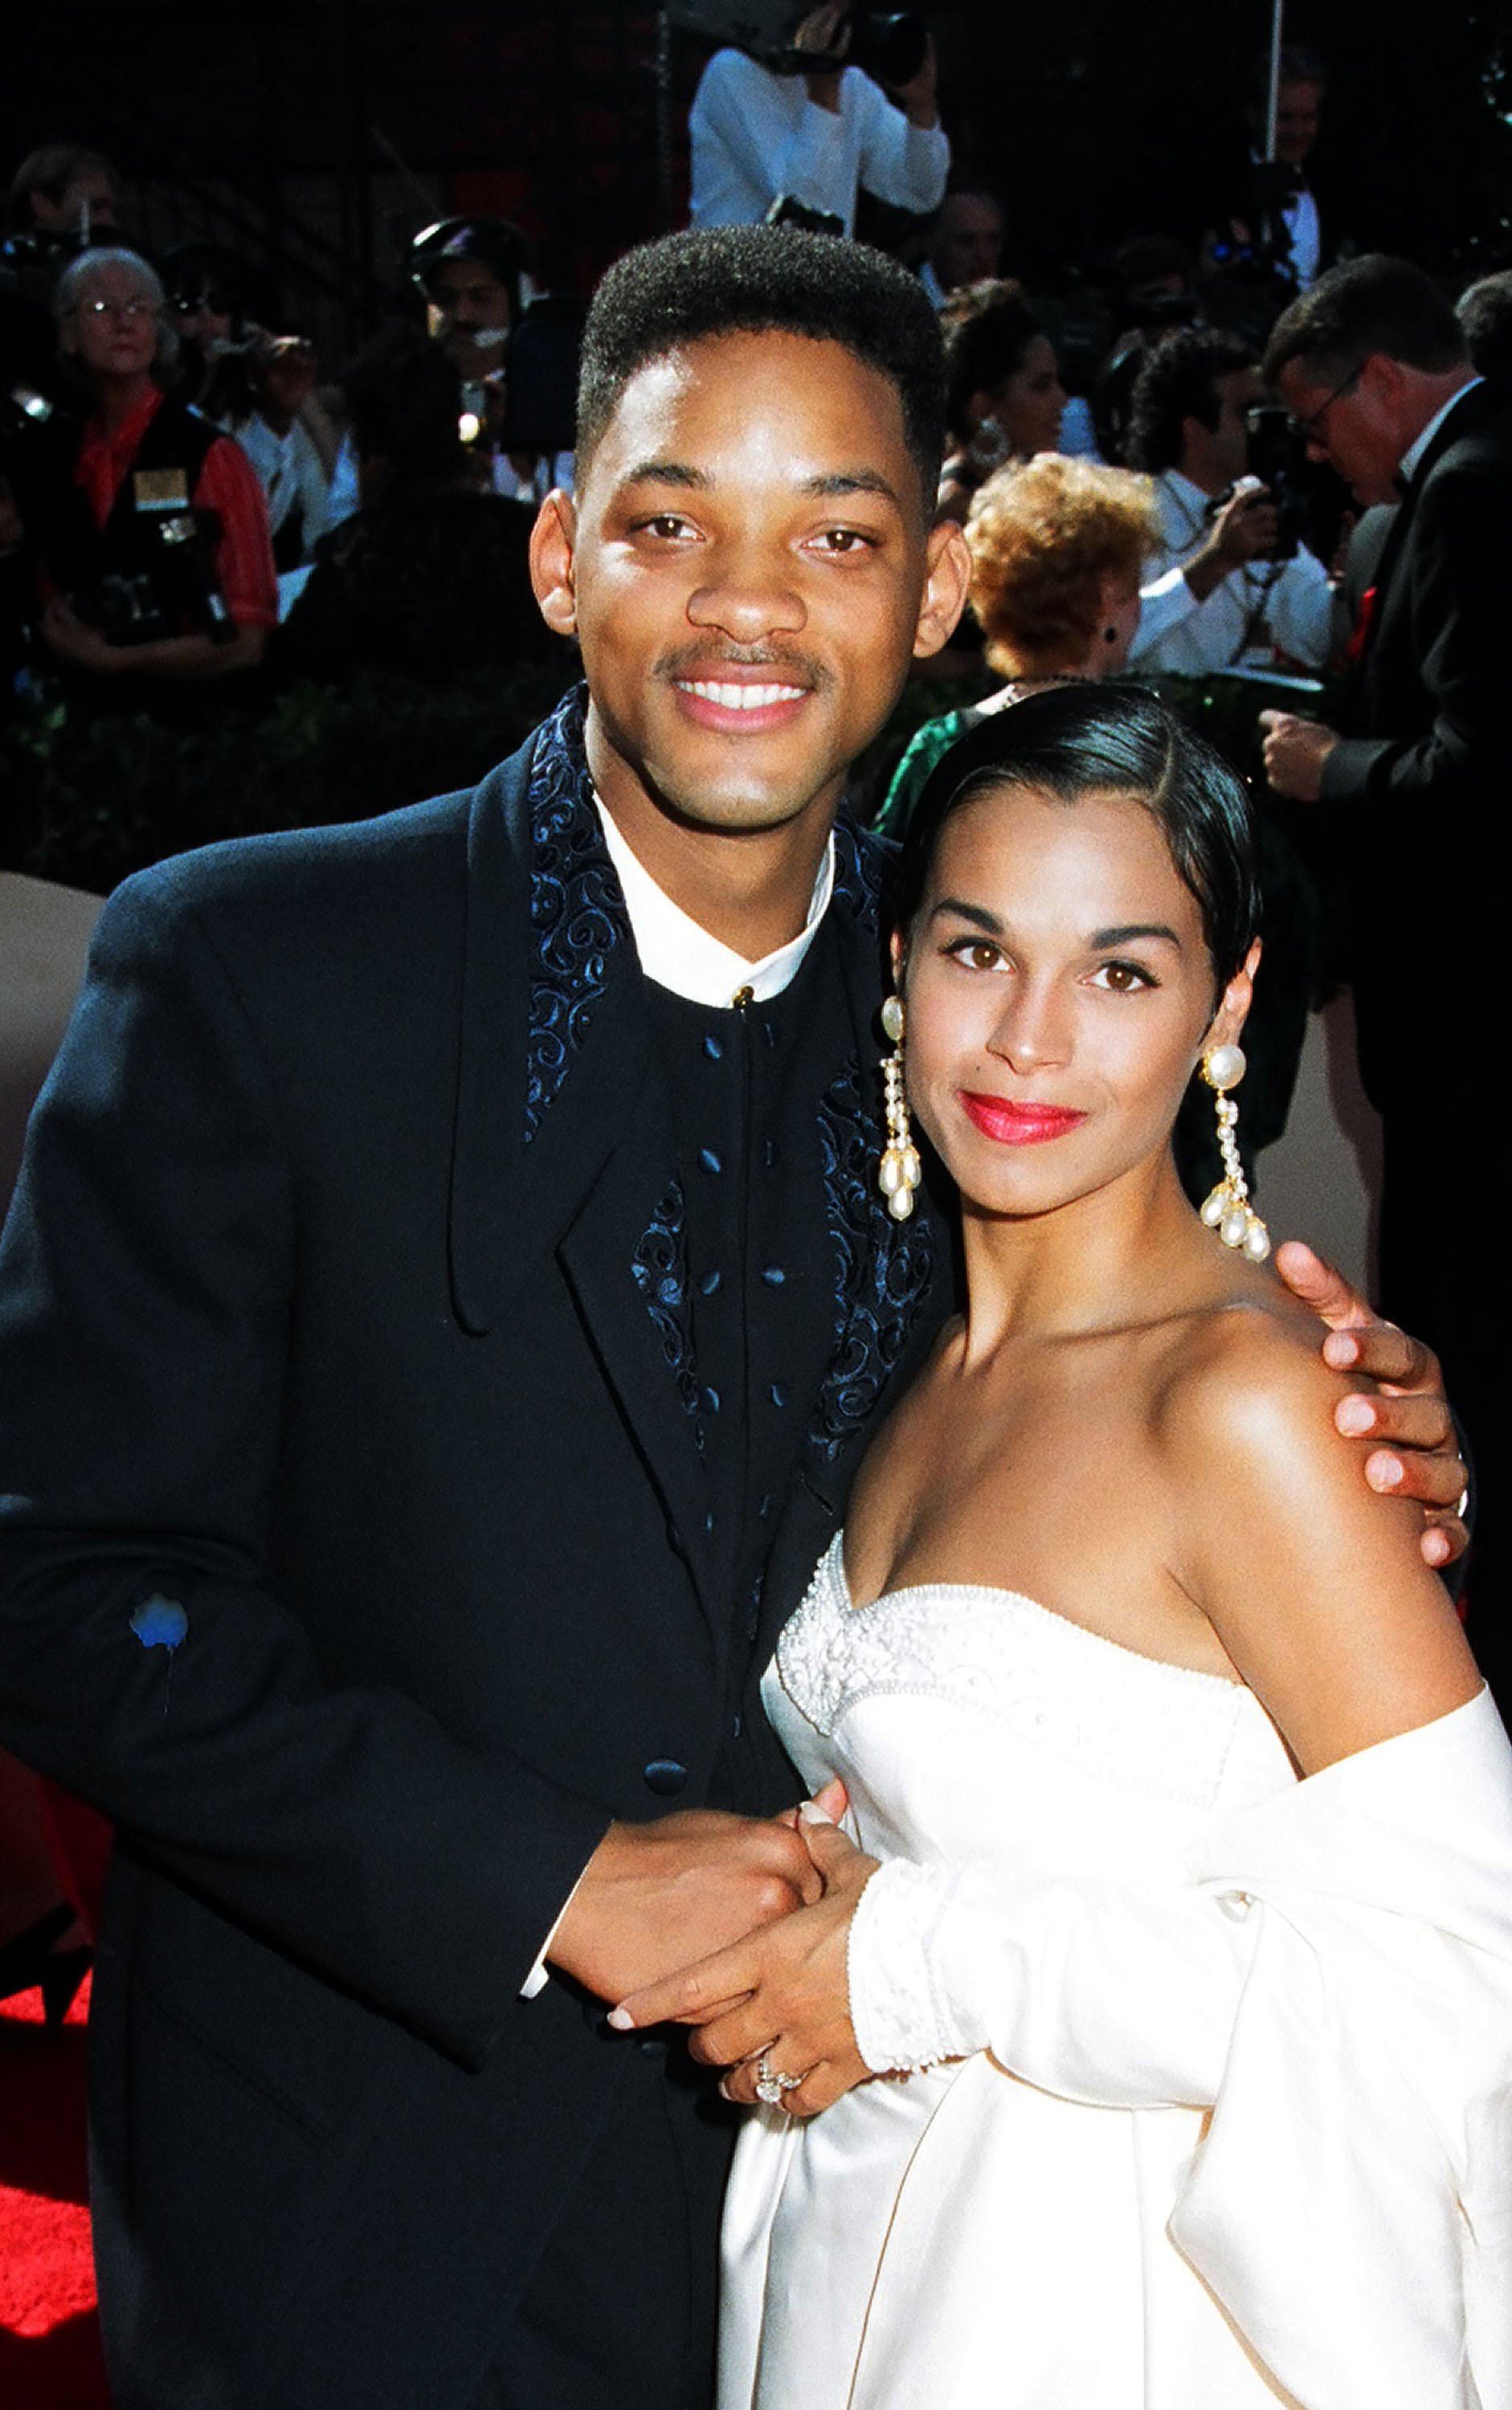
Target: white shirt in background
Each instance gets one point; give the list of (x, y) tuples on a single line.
[(756, 135)]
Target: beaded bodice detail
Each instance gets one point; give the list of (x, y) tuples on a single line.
[(1167, 1730)]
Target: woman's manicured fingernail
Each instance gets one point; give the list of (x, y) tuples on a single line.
[(1354, 1416)]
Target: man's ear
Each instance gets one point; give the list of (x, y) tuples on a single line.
[(947, 579), (553, 540)]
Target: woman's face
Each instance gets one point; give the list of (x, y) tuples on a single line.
[(1059, 992), (113, 328), (1028, 404)]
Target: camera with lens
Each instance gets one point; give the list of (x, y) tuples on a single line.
[(1278, 457), (889, 45), (174, 592)]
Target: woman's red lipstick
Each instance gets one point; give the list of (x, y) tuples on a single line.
[(1011, 1125)]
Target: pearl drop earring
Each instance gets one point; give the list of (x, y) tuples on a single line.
[(900, 1170), (1227, 1209)]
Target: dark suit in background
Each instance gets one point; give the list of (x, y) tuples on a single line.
[(390, 1506), (1422, 785)]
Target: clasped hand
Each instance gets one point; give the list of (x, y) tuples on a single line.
[(782, 1994)]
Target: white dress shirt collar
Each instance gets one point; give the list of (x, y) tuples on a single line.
[(680, 955), (1408, 465)]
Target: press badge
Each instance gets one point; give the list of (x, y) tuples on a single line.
[(160, 489)]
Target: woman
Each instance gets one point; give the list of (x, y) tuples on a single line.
[(1004, 398), (1058, 547), (157, 557), (1201, 2072)]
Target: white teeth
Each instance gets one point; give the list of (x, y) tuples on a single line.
[(740, 698)]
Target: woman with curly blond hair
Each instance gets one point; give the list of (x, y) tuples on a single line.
[(1058, 546)]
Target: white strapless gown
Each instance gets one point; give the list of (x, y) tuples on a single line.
[(962, 2237)]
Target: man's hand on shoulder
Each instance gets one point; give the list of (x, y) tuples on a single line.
[(655, 1897), (1416, 1453)]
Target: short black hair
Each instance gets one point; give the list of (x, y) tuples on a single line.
[(1073, 741), (1178, 379), (1374, 304), (712, 280), (1484, 310), (990, 329)]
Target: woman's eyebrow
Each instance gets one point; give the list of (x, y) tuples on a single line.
[(1127, 929), (976, 913)]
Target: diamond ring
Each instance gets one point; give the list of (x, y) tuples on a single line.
[(771, 2083)]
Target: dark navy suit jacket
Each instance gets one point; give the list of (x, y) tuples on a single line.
[(323, 1320)]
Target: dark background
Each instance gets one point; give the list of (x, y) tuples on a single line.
[(316, 139)]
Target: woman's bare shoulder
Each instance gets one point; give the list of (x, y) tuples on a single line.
[(1314, 1582), (1249, 1365)]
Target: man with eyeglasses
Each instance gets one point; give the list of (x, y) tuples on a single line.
[(1374, 367)]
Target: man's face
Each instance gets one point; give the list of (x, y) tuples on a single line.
[(1236, 396), (91, 195), (969, 240), (467, 301), (1353, 424), (1299, 107), (746, 580)]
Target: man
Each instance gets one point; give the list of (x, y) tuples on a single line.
[(1374, 367), (1189, 428), (966, 244), (470, 271), (759, 138), (1274, 223), (1299, 90), (464, 1233), (66, 189), (475, 275)]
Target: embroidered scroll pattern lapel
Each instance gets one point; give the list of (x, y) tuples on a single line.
[(577, 912)]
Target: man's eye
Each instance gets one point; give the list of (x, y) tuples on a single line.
[(845, 539), (668, 525), (1123, 978)]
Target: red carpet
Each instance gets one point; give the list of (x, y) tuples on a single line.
[(50, 2351)]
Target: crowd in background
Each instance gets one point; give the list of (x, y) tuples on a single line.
[(300, 525), (194, 511)]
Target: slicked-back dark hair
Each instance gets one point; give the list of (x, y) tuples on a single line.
[(1178, 379), (1374, 304), (1074, 741), (714, 280)]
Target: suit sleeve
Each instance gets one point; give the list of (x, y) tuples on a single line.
[(147, 1659), (1455, 559)]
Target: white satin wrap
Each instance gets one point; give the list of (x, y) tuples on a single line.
[(1233, 2125)]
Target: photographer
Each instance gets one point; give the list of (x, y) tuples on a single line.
[(156, 554), (814, 136), (260, 386), (1234, 593)]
